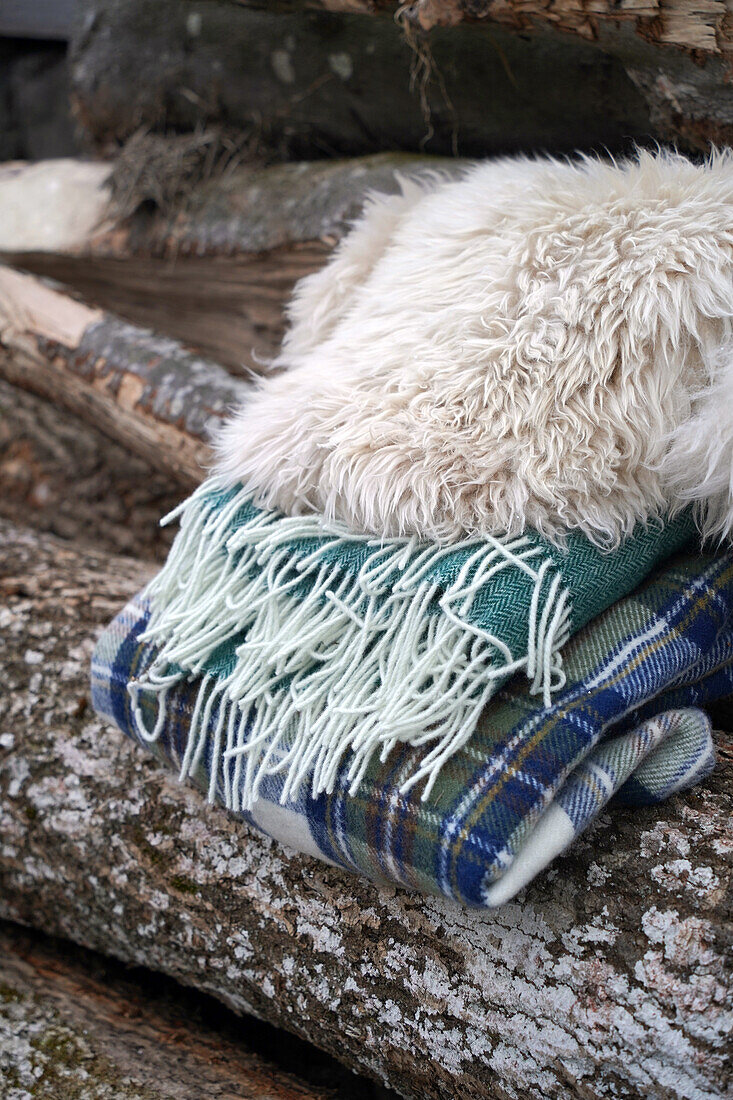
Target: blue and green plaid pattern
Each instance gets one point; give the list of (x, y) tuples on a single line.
[(627, 723)]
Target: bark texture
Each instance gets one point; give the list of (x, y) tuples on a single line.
[(74, 1024), (312, 84), (62, 476), (475, 77), (609, 976), (215, 267), (694, 24), (141, 389), (253, 208)]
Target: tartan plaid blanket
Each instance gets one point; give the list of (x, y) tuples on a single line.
[(344, 647), (627, 723)]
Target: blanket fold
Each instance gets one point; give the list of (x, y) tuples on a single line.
[(240, 666), (315, 646)]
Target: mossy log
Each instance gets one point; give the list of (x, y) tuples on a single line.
[(610, 976)]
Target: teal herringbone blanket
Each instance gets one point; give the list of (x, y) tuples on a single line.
[(317, 650)]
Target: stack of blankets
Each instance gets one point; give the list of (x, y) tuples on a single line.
[(449, 721), (383, 681)]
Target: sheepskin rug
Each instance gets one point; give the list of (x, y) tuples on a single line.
[(539, 343)]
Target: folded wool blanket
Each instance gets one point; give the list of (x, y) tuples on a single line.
[(347, 646), (493, 407), (627, 722)]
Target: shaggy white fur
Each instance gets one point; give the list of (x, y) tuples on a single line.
[(698, 467), (538, 343)]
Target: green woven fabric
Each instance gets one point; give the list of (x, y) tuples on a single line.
[(347, 646)]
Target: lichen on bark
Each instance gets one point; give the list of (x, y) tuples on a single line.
[(609, 976)]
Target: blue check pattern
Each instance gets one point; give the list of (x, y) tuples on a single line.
[(630, 724)]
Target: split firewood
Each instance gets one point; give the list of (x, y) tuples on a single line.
[(210, 261), (141, 389), (608, 976)]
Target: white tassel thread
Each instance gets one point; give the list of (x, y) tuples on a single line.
[(355, 665)]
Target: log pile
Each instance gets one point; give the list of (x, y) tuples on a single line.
[(610, 976), (214, 271)]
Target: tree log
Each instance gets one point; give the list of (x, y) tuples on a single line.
[(228, 308), (312, 84), (214, 271), (60, 475), (523, 75), (609, 976), (246, 210), (693, 24), (75, 1024), (143, 390)]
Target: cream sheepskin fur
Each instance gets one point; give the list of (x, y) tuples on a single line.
[(539, 343)]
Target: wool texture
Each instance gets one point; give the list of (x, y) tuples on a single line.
[(539, 344), (626, 724), (347, 646)]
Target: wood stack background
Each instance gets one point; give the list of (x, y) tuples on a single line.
[(611, 975)]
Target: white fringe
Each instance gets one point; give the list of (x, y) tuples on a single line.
[(356, 664)]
